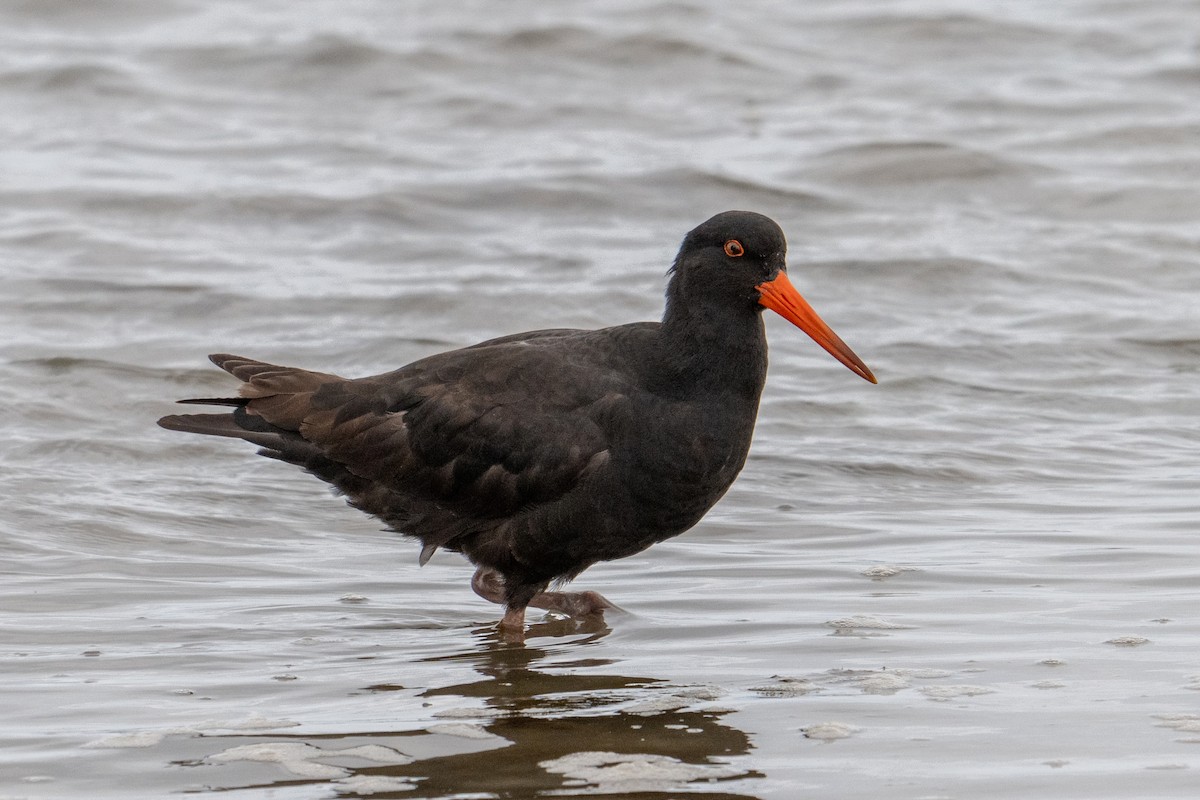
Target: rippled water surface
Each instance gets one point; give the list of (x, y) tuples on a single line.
[(977, 579)]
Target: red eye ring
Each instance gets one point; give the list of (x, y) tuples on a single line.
[(734, 249)]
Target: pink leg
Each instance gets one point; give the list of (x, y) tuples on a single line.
[(513, 622), (573, 604), (489, 585)]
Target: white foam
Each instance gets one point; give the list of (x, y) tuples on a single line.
[(303, 759), (295, 757), (462, 730), (249, 724), (862, 621), (626, 772), (829, 731), (373, 784), (883, 683), (1128, 641), (786, 687), (151, 738), (374, 752), (923, 673), (658, 705), (700, 692), (1184, 723), (461, 712), (143, 739), (947, 692), (879, 572)]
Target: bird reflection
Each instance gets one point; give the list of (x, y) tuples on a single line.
[(547, 716), (548, 730)]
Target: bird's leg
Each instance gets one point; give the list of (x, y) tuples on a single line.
[(573, 604), (488, 584), (513, 621)]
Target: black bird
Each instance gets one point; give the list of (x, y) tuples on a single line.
[(538, 454)]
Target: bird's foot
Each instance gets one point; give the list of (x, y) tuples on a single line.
[(489, 585), (573, 604)]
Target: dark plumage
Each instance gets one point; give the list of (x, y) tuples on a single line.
[(538, 454)]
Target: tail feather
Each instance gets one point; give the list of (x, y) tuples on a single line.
[(215, 401), (221, 425), (262, 379), (241, 367), (207, 424), (280, 393)]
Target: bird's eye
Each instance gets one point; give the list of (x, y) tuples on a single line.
[(734, 249)]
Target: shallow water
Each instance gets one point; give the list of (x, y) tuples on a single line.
[(977, 579)]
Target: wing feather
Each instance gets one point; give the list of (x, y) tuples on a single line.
[(441, 448)]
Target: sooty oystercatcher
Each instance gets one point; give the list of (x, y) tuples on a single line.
[(539, 454)]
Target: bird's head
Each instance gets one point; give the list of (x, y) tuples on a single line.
[(743, 255)]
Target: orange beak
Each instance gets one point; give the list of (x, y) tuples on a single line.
[(781, 297)]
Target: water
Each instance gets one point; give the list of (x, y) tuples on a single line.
[(977, 579)]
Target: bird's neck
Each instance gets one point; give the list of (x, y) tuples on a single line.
[(715, 347)]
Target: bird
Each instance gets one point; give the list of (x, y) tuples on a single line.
[(536, 455)]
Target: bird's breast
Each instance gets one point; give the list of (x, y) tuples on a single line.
[(684, 464)]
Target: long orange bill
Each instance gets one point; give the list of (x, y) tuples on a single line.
[(781, 297)]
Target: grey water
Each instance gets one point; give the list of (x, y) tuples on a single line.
[(978, 579)]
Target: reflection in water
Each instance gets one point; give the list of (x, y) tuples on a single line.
[(540, 733)]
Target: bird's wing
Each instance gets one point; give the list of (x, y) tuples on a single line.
[(476, 436)]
